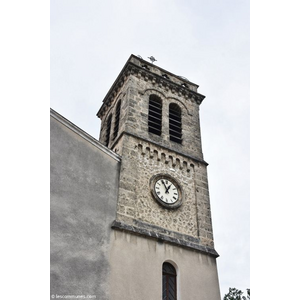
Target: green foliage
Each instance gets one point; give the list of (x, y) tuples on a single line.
[(235, 294)]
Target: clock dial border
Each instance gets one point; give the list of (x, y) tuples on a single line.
[(153, 181)]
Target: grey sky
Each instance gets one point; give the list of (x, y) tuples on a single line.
[(204, 41)]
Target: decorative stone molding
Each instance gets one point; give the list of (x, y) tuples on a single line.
[(162, 95), (163, 235), (165, 157), (180, 88)]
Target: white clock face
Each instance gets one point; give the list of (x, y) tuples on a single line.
[(166, 191)]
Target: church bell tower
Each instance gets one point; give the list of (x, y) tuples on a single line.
[(163, 246)]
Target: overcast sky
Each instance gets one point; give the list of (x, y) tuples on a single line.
[(205, 41)]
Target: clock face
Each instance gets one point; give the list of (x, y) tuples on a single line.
[(166, 190)]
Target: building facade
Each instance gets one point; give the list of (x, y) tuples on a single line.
[(130, 213)]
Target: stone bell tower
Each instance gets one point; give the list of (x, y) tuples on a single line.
[(150, 117)]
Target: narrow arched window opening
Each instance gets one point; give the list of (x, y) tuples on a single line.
[(154, 115), (108, 127), (175, 126), (169, 285), (117, 119)]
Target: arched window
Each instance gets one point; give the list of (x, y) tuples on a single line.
[(175, 123), (154, 116), (108, 126), (117, 119), (169, 285)]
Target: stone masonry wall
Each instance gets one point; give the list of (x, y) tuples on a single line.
[(122, 96), (137, 121), (134, 95), (140, 162), (145, 154)]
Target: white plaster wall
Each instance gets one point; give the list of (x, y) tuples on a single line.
[(136, 270)]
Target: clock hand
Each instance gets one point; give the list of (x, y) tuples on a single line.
[(165, 186), (167, 190)]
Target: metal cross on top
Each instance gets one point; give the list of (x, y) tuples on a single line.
[(152, 59)]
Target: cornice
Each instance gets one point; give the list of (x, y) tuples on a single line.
[(125, 132), (143, 72), (163, 235)]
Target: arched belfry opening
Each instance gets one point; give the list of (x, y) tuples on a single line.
[(117, 119), (108, 128), (155, 115), (175, 124)]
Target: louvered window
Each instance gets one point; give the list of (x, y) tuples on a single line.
[(108, 127), (154, 116), (169, 282), (117, 119), (175, 123)]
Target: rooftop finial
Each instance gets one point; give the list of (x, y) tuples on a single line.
[(152, 59)]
